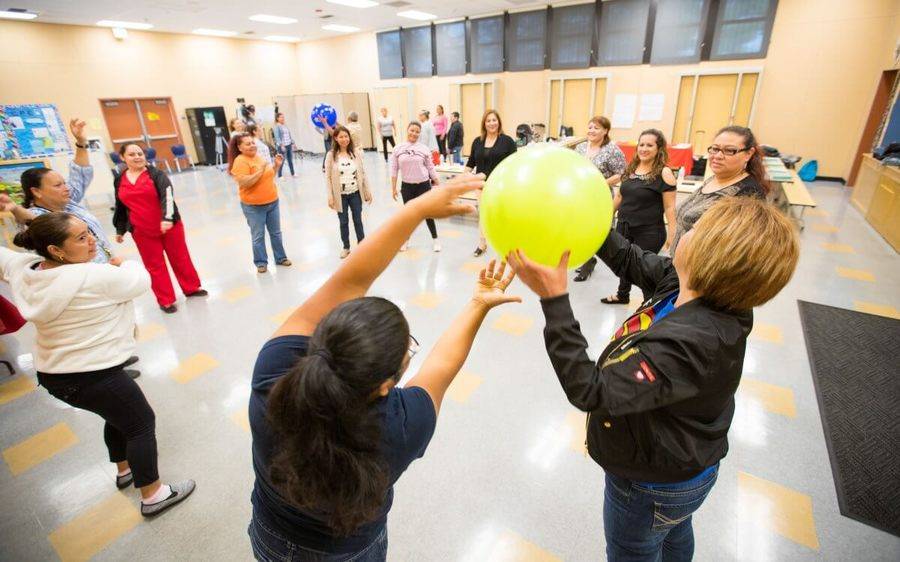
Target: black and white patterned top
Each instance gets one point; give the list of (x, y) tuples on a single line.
[(347, 169), (609, 160), (689, 211)]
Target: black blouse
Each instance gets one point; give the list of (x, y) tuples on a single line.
[(642, 200), (484, 160)]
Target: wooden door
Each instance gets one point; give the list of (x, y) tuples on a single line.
[(161, 126), (123, 122), (555, 108), (683, 110), (743, 108), (577, 105), (472, 108), (712, 108), (600, 97)]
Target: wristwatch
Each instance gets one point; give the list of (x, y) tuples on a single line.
[(81, 145)]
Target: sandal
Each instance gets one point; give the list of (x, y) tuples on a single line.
[(479, 251), (614, 300)]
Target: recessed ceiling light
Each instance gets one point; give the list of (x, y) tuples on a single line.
[(265, 18), (340, 28), (124, 24), (215, 32), (16, 15), (354, 3), (285, 38), (416, 15)]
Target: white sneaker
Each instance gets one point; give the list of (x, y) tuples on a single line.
[(404, 247), (437, 246), (344, 253)]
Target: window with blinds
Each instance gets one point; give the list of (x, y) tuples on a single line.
[(571, 36), (527, 40), (678, 31), (743, 29), (623, 31), (390, 63), (450, 48), (486, 44)]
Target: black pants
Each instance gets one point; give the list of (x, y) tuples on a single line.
[(354, 202), (327, 148), (648, 237), (130, 429), (384, 143), (442, 145), (410, 191)]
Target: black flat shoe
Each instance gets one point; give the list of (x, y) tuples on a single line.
[(123, 482), (198, 293), (479, 251), (614, 300), (171, 309), (582, 276), (131, 361), (132, 373)]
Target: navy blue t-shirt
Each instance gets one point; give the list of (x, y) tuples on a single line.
[(408, 421)]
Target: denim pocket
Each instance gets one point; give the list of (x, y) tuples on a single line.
[(668, 515)]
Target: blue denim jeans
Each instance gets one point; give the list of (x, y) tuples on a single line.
[(262, 218), (457, 155), (269, 546), (288, 153), (652, 522), (354, 202)]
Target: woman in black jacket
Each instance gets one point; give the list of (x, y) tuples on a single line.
[(145, 207), (487, 152), (660, 399)]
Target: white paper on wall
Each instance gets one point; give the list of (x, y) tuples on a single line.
[(623, 111), (651, 107)]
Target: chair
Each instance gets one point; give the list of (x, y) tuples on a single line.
[(150, 154), (116, 159), (179, 152)]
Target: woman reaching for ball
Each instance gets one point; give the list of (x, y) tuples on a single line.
[(660, 399), (331, 430), (412, 161)]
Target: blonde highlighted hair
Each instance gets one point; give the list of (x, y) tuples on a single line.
[(742, 253)]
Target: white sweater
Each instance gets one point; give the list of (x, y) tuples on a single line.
[(83, 312)]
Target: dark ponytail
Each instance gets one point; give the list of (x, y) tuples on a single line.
[(50, 229), (328, 456), (31, 179), (755, 166)]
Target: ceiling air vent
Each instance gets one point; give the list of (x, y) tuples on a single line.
[(398, 4), (326, 16)]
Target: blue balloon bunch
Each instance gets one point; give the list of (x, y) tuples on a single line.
[(323, 110)]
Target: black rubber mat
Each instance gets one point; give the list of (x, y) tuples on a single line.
[(855, 360)]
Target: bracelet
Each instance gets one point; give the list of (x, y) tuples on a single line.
[(81, 145)]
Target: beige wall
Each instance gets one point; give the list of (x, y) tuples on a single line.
[(74, 66), (824, 61)]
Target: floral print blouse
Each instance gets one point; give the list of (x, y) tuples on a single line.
[(609, 160)]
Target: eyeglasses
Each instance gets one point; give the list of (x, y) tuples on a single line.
[(727, 151), (413, 346)]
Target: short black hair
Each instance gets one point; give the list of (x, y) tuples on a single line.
[(455, 114)]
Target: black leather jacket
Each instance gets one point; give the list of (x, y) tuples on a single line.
[(166, 200), (660, 399)]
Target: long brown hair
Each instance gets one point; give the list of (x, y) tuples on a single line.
[(233, 150), (335, 147), (49, 229), (484, 120), (603, 122), (755, 166), (662, 155)]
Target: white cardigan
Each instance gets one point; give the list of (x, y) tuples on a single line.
[(83, 312)]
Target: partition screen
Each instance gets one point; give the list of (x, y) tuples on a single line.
[(526, 37), (417, 51), (450, 48), (742, 29), (486, 44), (571, 36), (623, 31), (390, 63), (677, 31)]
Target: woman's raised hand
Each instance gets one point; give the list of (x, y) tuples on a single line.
[(492, 284), (441, 202)]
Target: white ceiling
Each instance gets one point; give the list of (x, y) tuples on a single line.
[(182, 16)]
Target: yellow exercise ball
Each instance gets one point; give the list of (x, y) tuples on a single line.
[(544, 200)]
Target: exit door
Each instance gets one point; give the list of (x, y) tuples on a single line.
[(150, 122)]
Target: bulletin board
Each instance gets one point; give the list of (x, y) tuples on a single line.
[(32, 131), (11, 176)]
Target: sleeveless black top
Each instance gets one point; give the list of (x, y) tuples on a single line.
[(642, 200)]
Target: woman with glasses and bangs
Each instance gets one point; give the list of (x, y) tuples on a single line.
[(332, 431), (738, 171)]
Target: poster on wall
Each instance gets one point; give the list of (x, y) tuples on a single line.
[(11, 176), (623, 111), (651, 107), (31, 131)]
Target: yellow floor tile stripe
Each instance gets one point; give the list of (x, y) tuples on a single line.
[(838, 248), (147, 332), (817, 213), (238, 293), (242, 419), (473, 266), (426, 300), (510, 547), (447, 233), (825, 227), (39, 448), (767, 332), (193, 367), (857, 274), (463, 386), (412, 254), (775, 399), (16, 388), (92, 531), (778, 508), (513, 324), (869, 307), (576, 422), (283, 315)]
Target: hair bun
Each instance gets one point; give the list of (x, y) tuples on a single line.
[(24, 240)]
